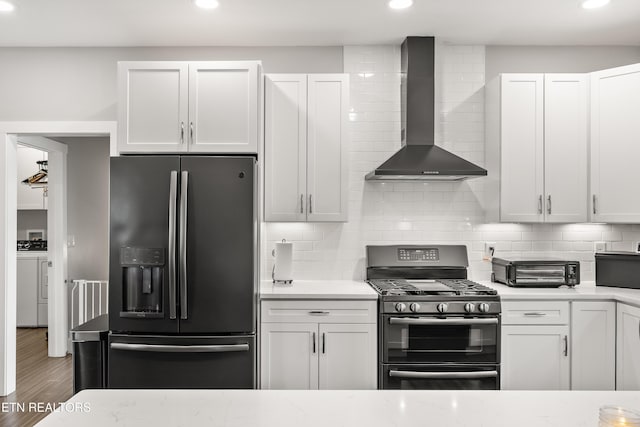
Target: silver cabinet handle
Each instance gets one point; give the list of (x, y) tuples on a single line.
[(301, 203), (184, 188), (594, 203), (181, 132), (566, 345), (180, 348), (534, 314), (314, 342), (319, 312), (540, 204), (191, 131), (446, 322), (324, 345), (310, 204), (173, 188), (443, 375), (549, 204)]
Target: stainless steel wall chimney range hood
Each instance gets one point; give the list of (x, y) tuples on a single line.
[(420, 159)]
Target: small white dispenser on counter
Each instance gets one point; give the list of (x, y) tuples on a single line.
[(283, 262)]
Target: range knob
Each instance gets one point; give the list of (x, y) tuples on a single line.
[(483, 307), (469, 307), (401, 306), (442, 307), (415, 307)]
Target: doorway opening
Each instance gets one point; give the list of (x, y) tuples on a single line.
[(62, 264)]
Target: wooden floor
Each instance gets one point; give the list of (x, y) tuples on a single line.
[(39, 378)]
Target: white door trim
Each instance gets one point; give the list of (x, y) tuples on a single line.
[(57, 232)]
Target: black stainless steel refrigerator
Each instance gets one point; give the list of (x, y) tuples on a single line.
[(183, 272)]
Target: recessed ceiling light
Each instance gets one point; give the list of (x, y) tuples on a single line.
[(400, 4), (5, 6), (594, 4), (206, 4)]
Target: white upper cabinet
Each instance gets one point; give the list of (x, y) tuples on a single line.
[(29, 198), (305, 147), (208, 107), (327, 157), (615, 147), (152, 106), (565, 147), (286, 147), (537, 147), (223, 107), (522, 145)]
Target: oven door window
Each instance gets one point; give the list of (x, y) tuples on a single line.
[(419, 377), (438, 340)]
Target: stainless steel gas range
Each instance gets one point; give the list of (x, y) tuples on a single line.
[(436, 329)]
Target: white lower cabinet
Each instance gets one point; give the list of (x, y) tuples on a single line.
[(559, 345), (593, 345), (308, 345), (535, 345), (289, 356), (32, 289), (535, 357), (628, 348)]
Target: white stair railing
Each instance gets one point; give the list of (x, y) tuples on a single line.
[(88, 299)]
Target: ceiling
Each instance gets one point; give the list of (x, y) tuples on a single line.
[(316, 22)]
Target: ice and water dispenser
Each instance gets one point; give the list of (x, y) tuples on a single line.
[(142, 275)]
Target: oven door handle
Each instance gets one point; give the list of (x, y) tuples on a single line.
[(445, 322), (443, 375)]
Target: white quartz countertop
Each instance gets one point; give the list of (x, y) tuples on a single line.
[(376, 408), (584, 291), (317, 289)]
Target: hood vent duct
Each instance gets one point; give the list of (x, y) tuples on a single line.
[(420, 159)]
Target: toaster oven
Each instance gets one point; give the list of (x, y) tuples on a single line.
[(535, 273)]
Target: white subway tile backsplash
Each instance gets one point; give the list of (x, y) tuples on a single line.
[(438, 212)]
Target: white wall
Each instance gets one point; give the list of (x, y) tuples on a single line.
[(557, 59), (33, 219), (88, 207), (80, 83), (388, 213)]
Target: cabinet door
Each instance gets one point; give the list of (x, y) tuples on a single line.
[(28, 197), (522, 151), (348, 357), (615, 131), (223, 107), (27, 292), (285, 140), (535, 357), (593, 344), (289, 356), (565, 147), (326, 144), (628, 351), (152, 106)]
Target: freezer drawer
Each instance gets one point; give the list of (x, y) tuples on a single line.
[(185, 362)]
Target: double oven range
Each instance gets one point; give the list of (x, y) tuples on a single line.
[(437, 330)]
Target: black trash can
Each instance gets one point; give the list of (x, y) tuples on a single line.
[(89, 342)]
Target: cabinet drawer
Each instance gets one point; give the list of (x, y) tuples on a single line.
[(319, 311), (535, 313)]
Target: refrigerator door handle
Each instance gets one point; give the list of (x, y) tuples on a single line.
[(156, 348), (184, 186), (173, 189)]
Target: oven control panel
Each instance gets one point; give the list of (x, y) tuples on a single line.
[(418, 254)]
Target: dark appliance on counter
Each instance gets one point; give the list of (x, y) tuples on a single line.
[(618, 269), (535, 273), (183, 276), (436, 329), (32, 245)]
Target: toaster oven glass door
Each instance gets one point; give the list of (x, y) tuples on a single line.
[(541, 273)]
